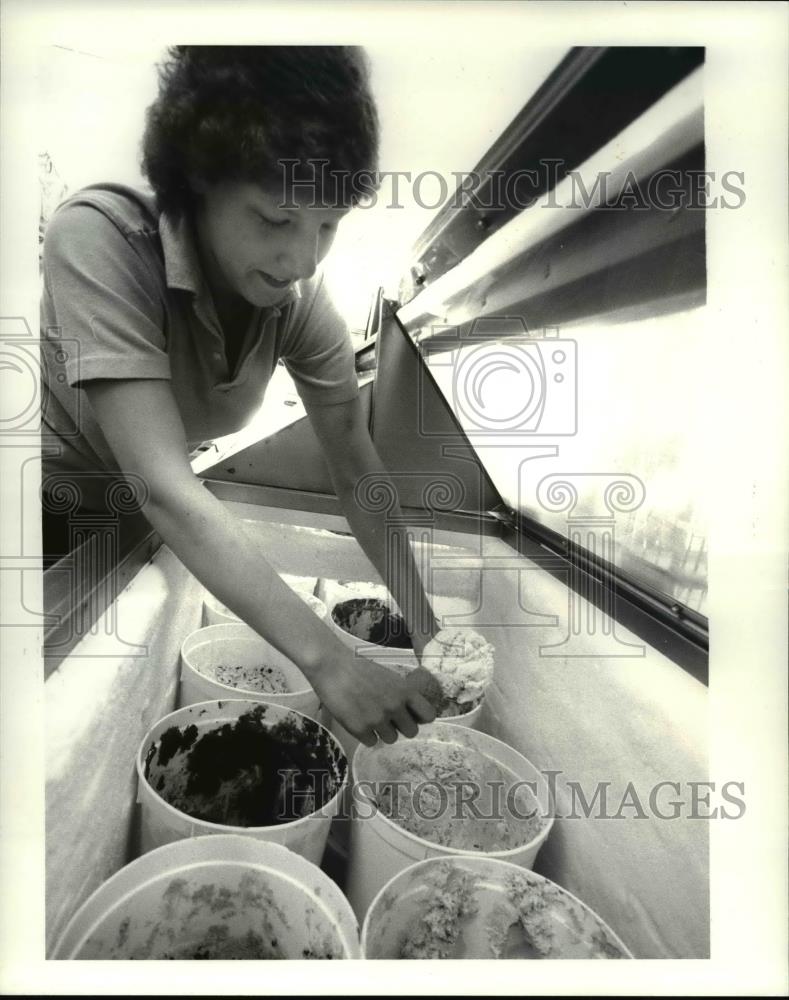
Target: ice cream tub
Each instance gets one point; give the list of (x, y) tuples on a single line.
[(372, 626), (449, 791), (233, 661), (223, 897), (479, 907), (238, 766), (339, 835)]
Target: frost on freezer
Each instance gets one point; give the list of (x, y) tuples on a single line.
[(216, 612)]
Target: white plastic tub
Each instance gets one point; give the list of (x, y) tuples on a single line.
[(355, 618), (380, 847), (339, 835), (235, 792), (217, 898), (479, 907), (208, 651)]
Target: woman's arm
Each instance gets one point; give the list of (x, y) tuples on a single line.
[(360, 478), (142, 425)]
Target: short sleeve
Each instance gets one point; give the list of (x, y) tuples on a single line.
[(317, 349), (99, 292)]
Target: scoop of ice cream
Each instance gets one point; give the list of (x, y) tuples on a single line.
[(462, 661)]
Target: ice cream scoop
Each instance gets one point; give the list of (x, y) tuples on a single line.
[(461, 660)]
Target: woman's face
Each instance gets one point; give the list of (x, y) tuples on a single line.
[(253, 248)]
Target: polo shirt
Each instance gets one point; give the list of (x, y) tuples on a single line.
[(124, 297)]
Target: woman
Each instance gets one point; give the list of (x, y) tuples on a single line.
[(181, 303)]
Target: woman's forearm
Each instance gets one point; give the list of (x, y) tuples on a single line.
[(385, 539), (222, 552)]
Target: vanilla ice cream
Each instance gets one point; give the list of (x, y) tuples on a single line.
[(462, 661)]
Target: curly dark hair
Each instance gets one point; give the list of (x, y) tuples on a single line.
[(234, 112)]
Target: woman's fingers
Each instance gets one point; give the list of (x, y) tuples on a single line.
[(421, 708), (367, 736), (374, 703), (387, 731), (421, 683), (406, 723)]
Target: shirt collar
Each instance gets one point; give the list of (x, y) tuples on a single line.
[(182, 264)]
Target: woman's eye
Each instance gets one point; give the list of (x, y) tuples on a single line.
[(272, 222)]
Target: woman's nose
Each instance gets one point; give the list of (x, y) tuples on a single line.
[(304, 256)]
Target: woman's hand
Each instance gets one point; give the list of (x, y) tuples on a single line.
[(427, 684), (368, 699)]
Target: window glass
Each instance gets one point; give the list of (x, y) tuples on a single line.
[(597, 430)]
